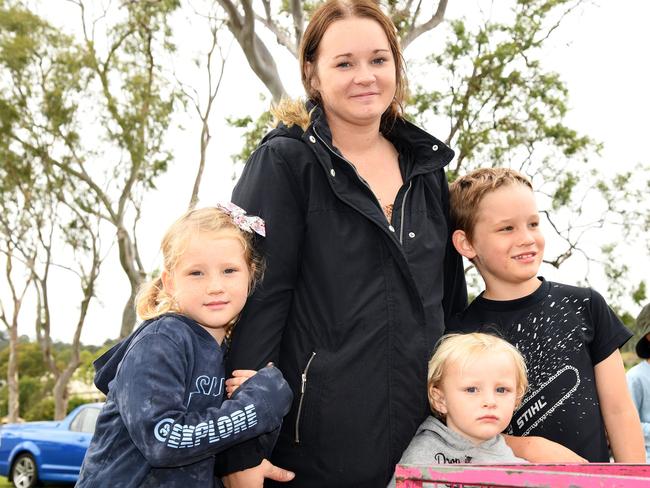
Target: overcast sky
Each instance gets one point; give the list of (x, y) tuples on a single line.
[(601, 53)]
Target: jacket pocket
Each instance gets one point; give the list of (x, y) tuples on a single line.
[(303, 390)]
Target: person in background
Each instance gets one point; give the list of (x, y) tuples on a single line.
[(166, 415), (638, 377), (568, 336)]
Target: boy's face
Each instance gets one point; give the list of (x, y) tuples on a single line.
[(507, 245), (479, 397)]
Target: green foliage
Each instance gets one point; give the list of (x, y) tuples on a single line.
[(30, 360), (74, 402), (32, 391), (562, 195), (254, 130), (504, 108), (36, 383), (43, 409), (501, 105), (640, 293)]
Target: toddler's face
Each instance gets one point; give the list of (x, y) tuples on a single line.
[(507, 245), (210, 281), (478, 397)]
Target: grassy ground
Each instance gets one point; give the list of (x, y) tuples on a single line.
[(4, 483)]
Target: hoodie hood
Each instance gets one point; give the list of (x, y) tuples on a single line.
[(107, 364), (439, 430)]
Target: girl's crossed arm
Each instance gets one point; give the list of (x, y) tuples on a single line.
[(152, 405)]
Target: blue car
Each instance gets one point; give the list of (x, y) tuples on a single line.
[(47, 451)]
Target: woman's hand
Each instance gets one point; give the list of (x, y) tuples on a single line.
[(239, 377), (254, 477)]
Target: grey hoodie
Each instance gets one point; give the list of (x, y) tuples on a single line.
[(435, 443)]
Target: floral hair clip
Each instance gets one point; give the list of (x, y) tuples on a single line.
[(247, 223)]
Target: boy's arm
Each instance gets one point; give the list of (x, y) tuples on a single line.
[(540, 450), (619, 414)]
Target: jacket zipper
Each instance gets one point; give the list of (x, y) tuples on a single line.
[(354, 168), (401, 218), (303, 387)]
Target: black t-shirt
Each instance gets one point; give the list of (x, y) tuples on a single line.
[(563, 332)]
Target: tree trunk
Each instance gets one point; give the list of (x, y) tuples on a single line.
[(60, 392), (128, 315), (136, 277), (12, 376)]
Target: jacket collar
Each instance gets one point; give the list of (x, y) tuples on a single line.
[(429, 152)]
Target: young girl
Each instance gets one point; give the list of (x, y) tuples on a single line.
[(166, 415), (475, 383)]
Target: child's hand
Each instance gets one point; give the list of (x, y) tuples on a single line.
[(239, 377)]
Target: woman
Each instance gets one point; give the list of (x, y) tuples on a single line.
[(360, 274)]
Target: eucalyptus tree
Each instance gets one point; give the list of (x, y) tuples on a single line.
[(132, 101), (48, 220), (16, 244)]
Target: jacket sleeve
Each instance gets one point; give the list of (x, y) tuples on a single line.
[(455, 288), (150, 391), (269, 189)]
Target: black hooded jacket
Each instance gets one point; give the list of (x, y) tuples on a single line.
[(351, 305)]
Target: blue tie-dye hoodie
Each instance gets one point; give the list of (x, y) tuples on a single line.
[(166, 414)]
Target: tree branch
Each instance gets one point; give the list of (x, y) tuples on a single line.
[(416, 31)]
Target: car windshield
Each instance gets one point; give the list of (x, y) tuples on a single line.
[(85, 420)]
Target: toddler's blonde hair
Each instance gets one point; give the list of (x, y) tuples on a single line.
[(462, 349)]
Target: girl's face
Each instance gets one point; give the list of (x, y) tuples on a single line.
[(354, 72), (478, 397), (210, 281)]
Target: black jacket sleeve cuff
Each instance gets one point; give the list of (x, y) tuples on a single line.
[(245, 455)]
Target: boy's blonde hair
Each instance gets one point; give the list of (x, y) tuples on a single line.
[(462, 349), (466, 193), (152, 299)]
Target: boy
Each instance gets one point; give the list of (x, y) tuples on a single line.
[(568, 336)]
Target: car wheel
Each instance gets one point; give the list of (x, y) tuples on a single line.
[(24, 473)]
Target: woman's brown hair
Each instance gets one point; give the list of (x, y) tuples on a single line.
[(326, 15)]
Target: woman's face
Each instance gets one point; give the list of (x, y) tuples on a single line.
[(354, 72)]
